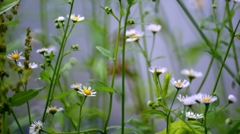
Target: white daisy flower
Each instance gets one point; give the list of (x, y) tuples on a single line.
[(192, 115), (52, 110), (232, 98), (87, 91), (205, 98), (42, 50), (191, 74), (30, 65), (76, 86), (75, 18), (154, 28), (15, 56), (159, 70), (35, 127), (61, 19), (188, 100), (133, 35), (181, 98), (180, 84)]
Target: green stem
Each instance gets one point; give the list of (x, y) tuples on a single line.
[(55, 73), (80, 114), (15, 118), (205, 118), (153, 44), (4, 123), (160, 86), (113, 73), (218, 114), (84, 131), (225, 58), (43, 18), (170, 111), (123, 67), (233, 45)]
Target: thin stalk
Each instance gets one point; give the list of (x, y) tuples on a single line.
[(187, 89), (225, 58), (153, 44), (18, 124), (160, 86), (205, 118), (218, 114), (123, 67), (84, 131), (43, 18), (114, 72), (233, 45), (4, 123), (80, 114), (170, 111), (55, 73)]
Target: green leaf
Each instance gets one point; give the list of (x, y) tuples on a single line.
[(44, 75), (14, 22), (158, 112), (7, 5), (211, 19), (105, 52), (104, 88), (56, 39), (166, 82), (23, 96), (156, 58), (97, 82), (126, 129), (63, 94), (235, 128)]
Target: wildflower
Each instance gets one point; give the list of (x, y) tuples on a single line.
[(192, 115), (35, 127), (42, 50), (196, 4), (159, 70), (188, 100), (30, 65), (52, 110), (75, 18), (232, 98), (15, 56), (61, 19), (236, 1), (191, 74), (87, 91), (133, 35), (206, 99), (76, 86), (154, 28), (178, 84)]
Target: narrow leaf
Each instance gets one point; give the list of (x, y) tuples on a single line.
[(44, 75), (5, 6), (99, 83), (63, 94), (105, 52), (14, 22), (104, 88), (56, 39), (23, 96), (156, 58), (158, 112)]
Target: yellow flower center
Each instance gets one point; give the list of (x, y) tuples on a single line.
[(36, 128), (179, 83), (75, 18), (15, 56), (206, 99), (87, 92)]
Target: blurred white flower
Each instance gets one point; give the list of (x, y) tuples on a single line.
[(188, 100), (87, 91), (76, 86), (154, 28), (205, 98), (232, 98), (52, 110), (191, 74), (196, 4), (192, 115), (75, 18), (61, 19), (15, 56), (159, 70), (180, 84), (133, 35), (30, 65), (35, 127)]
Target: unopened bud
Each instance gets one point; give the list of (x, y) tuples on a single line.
[(57, 25), (228, 121), (131, 22), (214, 6), (150, 103), (108, 10)]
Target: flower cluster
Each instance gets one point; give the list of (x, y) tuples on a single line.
[(84, 90)]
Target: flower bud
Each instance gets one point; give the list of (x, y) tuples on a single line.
[(57, 25), (231, 98), (214, 6), (108, 10), (42, 66), (150, 103), (228, 121), (131, 22)]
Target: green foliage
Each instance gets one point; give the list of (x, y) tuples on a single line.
[(235, 128), (167, 78), (105, 52), (127, 129), (7, 5), (105, 88), (180, 127), (56, 39), (45, 75), (63, 94), (23, 96), (211, 19), (14, 22)]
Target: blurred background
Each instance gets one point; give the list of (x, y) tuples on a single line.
[(178, 42)]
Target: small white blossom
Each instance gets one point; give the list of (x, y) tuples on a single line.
[(42, 50), (188, 100), (159, 70), (133, 35), (52, 110), (76, 86), (191, 74), (75, 18), (35, 127), (192, 115), (15, 56), (30, 65), (205, 98), (61, 19), (154, 28), (87, 91), (232, 98), (180, 84)]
